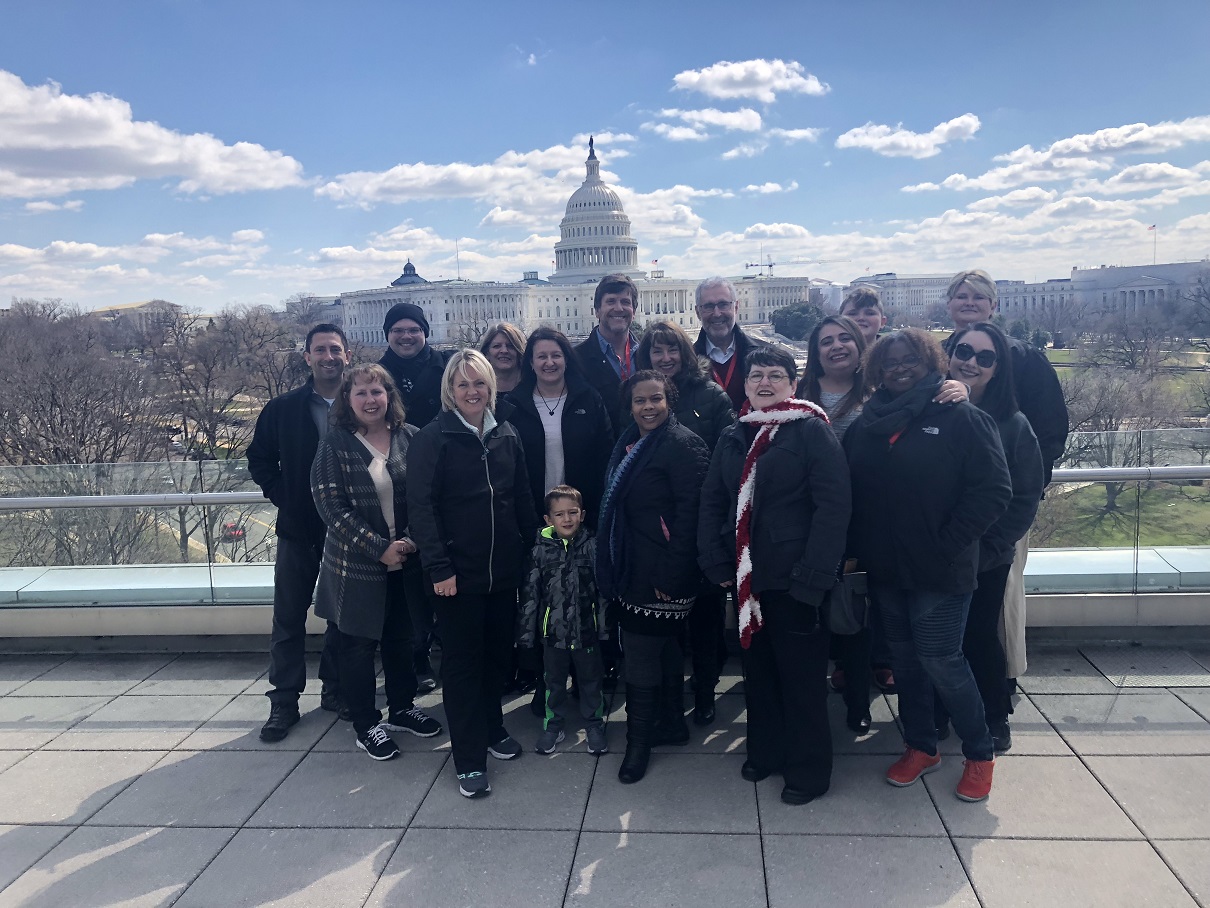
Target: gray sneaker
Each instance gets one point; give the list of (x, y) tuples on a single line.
[(473, 785), (505, 749), (549, 739), (597, 743)]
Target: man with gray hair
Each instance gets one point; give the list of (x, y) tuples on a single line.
[(722, 341)]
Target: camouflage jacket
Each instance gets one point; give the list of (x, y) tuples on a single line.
[(559, 601)]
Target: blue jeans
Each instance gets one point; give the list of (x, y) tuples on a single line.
[(924, 631)]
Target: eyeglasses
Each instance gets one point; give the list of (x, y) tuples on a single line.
[(723, 306), (911, 361), (773, 378), (985, 358), (409, 332)]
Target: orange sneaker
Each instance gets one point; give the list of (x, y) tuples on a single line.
[(976, 781), (911, 766)]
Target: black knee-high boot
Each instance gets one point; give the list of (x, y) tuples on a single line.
[(641, 706), (670, 727)]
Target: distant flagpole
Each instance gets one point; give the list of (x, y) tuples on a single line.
[(1155, 236)]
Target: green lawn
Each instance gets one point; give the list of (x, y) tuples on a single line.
[(1177, 514)]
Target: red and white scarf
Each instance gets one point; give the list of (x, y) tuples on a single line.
[(770, 420)]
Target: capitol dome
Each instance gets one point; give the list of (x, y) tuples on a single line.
[(594, 235)]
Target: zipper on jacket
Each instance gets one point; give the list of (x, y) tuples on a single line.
[(491, 551)]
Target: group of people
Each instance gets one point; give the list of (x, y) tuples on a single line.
[(573, 508)]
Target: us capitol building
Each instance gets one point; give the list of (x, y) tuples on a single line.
[(594, 240)]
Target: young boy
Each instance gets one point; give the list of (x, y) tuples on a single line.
[(561, 611), (864, 306)]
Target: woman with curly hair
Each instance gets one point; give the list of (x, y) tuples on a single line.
[(928, 481)]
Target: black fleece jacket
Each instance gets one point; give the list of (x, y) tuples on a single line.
[(587, 440), (922, 503), (419, 382), (470, 510)]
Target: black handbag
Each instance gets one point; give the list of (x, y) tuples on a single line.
[(849, 604)]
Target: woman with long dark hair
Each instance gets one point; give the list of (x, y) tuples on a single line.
[(704, 408), (647, 554), (980, 357), (928, 482)]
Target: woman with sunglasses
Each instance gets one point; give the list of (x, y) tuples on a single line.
[(928, 482), (980, 358)]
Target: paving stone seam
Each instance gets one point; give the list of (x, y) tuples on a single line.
[(575, 851), (180, 895), (1120, 805), (1177, 694), (50, 668), (40, 856)]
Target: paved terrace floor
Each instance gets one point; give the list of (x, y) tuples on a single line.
[(139, 780)]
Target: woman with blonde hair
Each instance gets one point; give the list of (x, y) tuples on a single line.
[(473, 518)]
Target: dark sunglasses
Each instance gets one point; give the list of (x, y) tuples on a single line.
[(984, 358)]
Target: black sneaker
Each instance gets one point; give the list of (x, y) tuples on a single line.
[(1002, 736), (282, 717), (378, 744), (425, 684), (414, 721), (330, 700), (505, 749), (473, 785)]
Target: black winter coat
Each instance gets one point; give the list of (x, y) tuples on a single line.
[(703, 408), (997, 546), (1040, 397), (559, 602), (800, 510), (587, 440), (597, 371), (418, 381), (664, 495), (279, 459), (921, 504), (470, 510)]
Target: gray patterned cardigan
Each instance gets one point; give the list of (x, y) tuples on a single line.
[(352, 581)]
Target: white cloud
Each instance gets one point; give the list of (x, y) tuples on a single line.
[(1034, 195), (1144, 178), (745, 150), (796, 135), (897, 142), (760, 80), (1078, 156), (45, 207), (745, 119), (532, 60), (769, 188), (52, 144), (677, 133)]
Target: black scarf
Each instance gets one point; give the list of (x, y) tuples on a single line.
[(886, 415), (407, 370)]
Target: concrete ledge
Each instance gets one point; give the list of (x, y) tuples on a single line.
[(1118, 610), (139, 621)]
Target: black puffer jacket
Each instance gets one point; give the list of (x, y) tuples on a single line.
[(800, 510), (279, 459), (470, 510), (419, 382), (659, 514), (559, 602), (703, 408), (587, 440), (922, 503)]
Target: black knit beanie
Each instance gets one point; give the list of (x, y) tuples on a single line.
[(405, 310)]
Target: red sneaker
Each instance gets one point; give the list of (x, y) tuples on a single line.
[(836, 682), (911, 766), (976, 781)]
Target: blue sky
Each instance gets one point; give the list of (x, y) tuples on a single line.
[(226, 153)]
